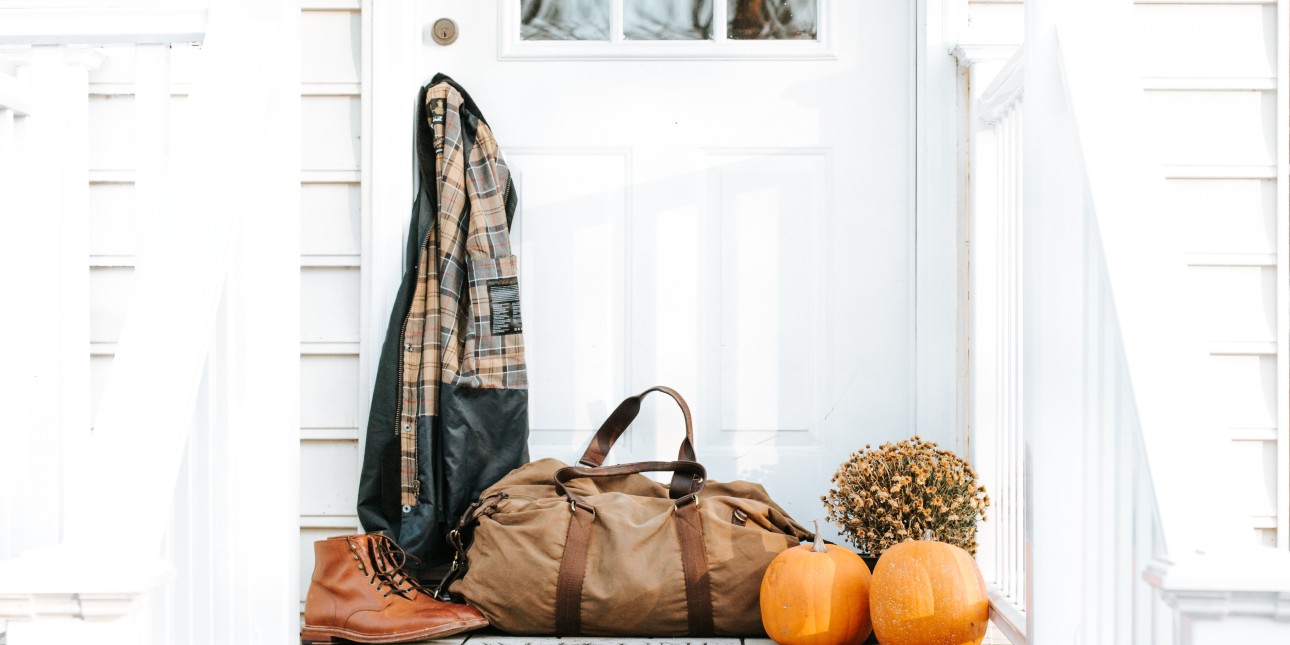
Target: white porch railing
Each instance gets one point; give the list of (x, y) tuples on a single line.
[(1117, 522), (997, 287), (208, 349), (1089, 390), (15, 110)]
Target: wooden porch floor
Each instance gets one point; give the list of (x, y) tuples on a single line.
[(992, 637), (495, 639)]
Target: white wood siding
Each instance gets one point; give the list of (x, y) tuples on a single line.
[(1211, 74), (333, 392)]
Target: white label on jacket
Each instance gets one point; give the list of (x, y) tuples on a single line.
[(504, 305)]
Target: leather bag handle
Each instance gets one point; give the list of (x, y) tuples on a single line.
[(687, 471), (617, 423), (622, 416)]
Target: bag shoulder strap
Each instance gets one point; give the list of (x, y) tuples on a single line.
[(689, 535)]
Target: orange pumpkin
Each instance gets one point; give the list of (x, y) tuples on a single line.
[(816, 595), (928, 593)]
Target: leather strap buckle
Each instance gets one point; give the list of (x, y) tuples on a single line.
[(573, 508), (691, 498)]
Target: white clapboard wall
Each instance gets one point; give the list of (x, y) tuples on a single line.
[(1210, 73), (333, 390), (1209, 70)]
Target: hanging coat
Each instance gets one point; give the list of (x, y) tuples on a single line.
[(449, 413)]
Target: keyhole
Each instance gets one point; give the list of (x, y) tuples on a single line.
[(444, 31)]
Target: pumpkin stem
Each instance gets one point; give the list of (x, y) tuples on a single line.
[(819, 540), (929, 534)]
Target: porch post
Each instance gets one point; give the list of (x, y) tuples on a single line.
[(47, 246), (217, 275), (47, 418), (1053, 316), (11, 416), (259, 338)]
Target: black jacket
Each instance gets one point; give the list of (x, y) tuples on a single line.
[(475, 432)]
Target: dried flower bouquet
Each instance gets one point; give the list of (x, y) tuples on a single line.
[(897, 492)]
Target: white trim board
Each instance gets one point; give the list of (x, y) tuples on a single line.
[(940, 374), (90, 26), (1282, 142), (331, 5)]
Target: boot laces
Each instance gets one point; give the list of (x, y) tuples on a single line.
[(389, 562)]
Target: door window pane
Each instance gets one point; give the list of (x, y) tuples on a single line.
[(667, 19), (564, 19), (772, 19)]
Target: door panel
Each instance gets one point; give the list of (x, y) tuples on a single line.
[(763, 219), (738, 229), (579, 312)]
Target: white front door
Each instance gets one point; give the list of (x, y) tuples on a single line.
[(730, 217)]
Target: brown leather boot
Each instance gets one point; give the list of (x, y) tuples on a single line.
[(361, 592)]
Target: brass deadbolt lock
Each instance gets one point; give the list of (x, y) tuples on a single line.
[(444, 31)]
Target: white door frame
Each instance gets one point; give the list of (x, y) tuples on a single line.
[(941, 365)]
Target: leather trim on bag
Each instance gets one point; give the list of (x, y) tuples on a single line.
[(573, 569), (694, 561), (690, 472)]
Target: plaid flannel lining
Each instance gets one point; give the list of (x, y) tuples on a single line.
[(470, 245)]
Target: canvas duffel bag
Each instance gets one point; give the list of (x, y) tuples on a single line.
[(594, 550)]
